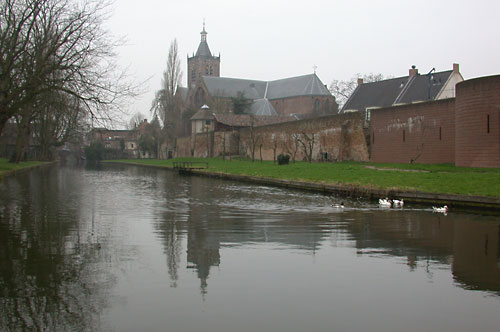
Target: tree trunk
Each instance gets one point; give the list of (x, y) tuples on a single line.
[(23, 136)]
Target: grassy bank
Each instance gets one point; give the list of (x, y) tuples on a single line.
[(444, 179), (6, 167)]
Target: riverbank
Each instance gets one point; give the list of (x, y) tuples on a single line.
[(428, 184), (7, 168)]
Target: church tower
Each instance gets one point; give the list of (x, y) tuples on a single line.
[(202, 63)]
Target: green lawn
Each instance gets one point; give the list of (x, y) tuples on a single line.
[(444, 178), (6, 167)]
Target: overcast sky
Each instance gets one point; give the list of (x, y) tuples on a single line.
[(274, 39)]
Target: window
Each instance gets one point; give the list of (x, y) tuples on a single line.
[(404, 136), (316, 106), (488, 123), (440, 133)]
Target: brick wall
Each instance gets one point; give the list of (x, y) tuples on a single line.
[(183, 147), (340, 136), (225, 142), (478, 118), (422, 132)]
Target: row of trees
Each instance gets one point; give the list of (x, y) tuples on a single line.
[(57, 70)]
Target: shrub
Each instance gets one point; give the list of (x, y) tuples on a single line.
[(283, 159), (94, 152)]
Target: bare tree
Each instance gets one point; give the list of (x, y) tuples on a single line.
[(342, 90), (291, 145), (307, 142), (165, 104), (274, 142), (135, 120), (49, 46)]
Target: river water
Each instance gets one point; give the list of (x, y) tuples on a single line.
[(125, 248)]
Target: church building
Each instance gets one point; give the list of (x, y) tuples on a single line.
[(290, 98)]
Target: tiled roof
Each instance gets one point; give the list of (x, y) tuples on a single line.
[(262, 107), (397, 90), (203, 114), (418, 89), (306, 85), (231, 87)]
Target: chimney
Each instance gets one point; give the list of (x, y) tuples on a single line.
[(456, 68), (413, 71), (360, 81)]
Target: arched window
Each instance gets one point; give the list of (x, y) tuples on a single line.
[(326, 107), (316, 106), (199, 97)]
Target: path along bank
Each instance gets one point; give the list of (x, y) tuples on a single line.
[(351, 190)]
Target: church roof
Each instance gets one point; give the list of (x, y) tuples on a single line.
[(306, 85), (231, 87), (262, 107)]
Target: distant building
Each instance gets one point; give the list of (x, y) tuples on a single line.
[(289, 99), (404, 90), (120, 143)]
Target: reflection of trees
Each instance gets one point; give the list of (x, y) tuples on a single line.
[(197, 209), (47, 270)]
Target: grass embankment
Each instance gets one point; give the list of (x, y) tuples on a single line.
[(443, 179), (6, 167)]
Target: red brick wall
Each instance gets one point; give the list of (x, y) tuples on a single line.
[(341, 136), (477, 103), (225, 142), (422, 132)]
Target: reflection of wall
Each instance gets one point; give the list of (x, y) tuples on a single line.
[(477, 248), (474, 245)]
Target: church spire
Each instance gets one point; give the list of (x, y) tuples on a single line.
[(203, 33), (203, 49)]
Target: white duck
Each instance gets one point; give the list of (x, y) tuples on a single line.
[(385, 202), (443, 209), (398, 203), (338, 206)]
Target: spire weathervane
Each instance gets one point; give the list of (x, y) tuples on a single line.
[(315, 67), (203, 33)]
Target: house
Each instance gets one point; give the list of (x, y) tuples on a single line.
[(118, 140), (404, 90)]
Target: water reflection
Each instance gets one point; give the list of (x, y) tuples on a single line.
[(48, 273), (77, 246)]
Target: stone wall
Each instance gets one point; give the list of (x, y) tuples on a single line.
[(328, 138), (421, 133), (183, 147), (226, 143)]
